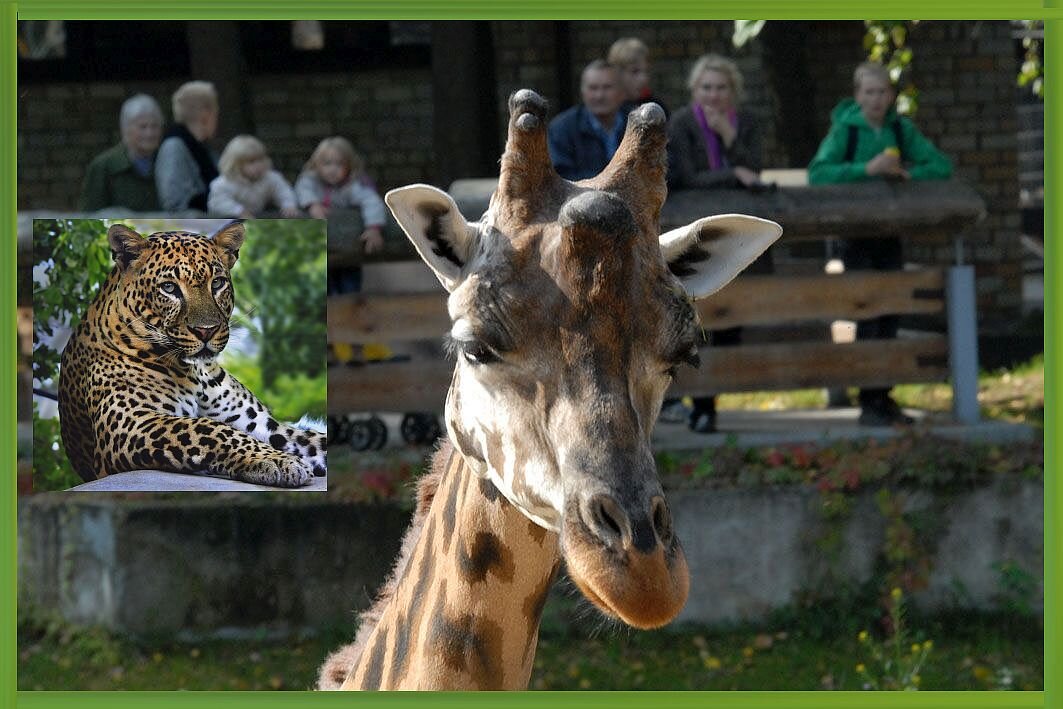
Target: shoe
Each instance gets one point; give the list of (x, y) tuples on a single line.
[(702, 421), (674, 412), (883, 412)]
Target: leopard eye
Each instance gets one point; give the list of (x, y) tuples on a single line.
[(169, 288), (217, 284)]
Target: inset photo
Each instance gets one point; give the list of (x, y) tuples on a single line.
[(179, 354)]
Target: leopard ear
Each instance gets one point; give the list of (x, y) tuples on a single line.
[(126, 244), (229, 239)]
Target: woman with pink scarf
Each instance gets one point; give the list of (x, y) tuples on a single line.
[(710, 142)]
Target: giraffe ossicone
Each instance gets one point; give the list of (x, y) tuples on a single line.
[(570, 313)]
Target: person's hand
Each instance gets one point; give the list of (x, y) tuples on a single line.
[(291, 212), (372, 240), (747, 177), (721, 124), (318, 210), (886, 164)]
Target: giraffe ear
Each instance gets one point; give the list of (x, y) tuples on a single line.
[(437, 229), (708, 253)]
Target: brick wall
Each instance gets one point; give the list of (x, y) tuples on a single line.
[(965, 72)]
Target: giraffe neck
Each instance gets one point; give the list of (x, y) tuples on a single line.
[(468, 597)]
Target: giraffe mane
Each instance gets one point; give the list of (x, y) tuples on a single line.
[(338, 664)]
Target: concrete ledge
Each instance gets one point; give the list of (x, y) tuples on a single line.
[(749, 429), (225, 565), (159, 481)]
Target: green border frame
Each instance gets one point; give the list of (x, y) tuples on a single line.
[(11, 10)]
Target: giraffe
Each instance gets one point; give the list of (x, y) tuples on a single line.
[(569, 318)]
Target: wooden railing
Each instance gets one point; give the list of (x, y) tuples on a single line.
[(414, 308)]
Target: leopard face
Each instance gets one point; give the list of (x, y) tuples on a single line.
[(175, 293)]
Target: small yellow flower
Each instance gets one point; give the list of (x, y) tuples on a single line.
[(915, 648), (928, 646), (584, 683), (712, 663), (747, 652), (916, 679), (980, 672), (860, 669), (862, 637), (896, 594), (157, 657)]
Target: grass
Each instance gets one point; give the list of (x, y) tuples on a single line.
[(971, 652)]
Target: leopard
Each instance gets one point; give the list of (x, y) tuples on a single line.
[(140, 386)]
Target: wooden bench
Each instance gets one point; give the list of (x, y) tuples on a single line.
[(414, 306)]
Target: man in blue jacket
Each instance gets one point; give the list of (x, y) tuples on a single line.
[(583, 138)]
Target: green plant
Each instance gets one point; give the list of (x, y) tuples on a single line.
[(895, 662), (1018, 589), (886, 42)]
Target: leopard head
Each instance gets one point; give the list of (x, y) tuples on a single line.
[(173, 291)]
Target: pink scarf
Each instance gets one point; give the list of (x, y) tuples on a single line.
[(713, 145)]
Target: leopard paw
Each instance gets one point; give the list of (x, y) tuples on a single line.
[(280, 470)]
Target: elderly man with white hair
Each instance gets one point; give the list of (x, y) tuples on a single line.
[(123, 175)]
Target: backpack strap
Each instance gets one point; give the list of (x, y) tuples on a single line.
[(850, 144), (899, 135)]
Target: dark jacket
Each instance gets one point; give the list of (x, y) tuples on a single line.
[(575, 148), (688, 162), (920, 157), (111, 181)]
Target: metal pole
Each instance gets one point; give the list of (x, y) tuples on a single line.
[(963, 343)]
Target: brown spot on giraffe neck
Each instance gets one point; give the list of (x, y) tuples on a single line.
[(466, 643), (486, 553)]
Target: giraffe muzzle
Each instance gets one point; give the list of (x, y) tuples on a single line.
[(626, 561)]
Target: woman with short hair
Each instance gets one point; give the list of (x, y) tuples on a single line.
[(123, 175)]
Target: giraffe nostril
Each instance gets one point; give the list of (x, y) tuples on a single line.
[(662, 521), (608, 521)]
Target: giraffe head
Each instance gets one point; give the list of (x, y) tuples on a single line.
[(570, 314)]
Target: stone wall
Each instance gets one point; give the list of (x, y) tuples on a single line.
[(241, 564)]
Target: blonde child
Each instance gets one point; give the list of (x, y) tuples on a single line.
[(334, 178), (248, 183)]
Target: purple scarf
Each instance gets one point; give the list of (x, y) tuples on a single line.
[(713, 145)]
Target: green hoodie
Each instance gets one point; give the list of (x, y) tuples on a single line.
[(921, 158)]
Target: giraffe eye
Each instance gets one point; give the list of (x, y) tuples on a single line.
[(476, 352)]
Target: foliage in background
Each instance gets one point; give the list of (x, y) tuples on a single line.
[(290, 396), (886, 42), (283, 278), (286, 292), (1032, 71)]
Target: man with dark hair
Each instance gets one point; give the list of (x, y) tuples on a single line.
[(583, 138)]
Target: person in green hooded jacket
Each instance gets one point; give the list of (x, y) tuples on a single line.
[(868, 140)]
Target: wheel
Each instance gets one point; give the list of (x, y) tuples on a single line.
[(412, 429), (378, 432), (343, 430), (432, 428), (361, 434)]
